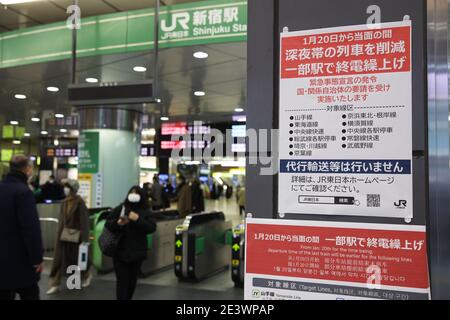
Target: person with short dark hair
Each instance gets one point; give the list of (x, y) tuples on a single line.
[(21, 251), (52, 190), (156, 194)]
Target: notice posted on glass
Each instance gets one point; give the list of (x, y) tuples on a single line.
[(346, 121)]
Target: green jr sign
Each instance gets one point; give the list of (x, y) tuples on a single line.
[(205, 21), (88, 152), (193, 23)]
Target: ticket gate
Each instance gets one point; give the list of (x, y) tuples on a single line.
[(102, 263), (49, 210), (238, 255), (49, 220), (161, 242), (201, 247)]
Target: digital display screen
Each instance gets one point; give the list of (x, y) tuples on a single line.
[(148, 150), (61, 152), (199, 133), (174, 128), (239, 131), (171, 145)]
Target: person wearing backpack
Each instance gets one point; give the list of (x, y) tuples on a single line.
[(132, 221)]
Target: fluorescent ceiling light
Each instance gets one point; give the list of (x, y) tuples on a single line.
[(201, 55), (59, 115), (44, 132), (199, 93), (34, 119), (20, 96), (139, 69), (53, 89), (7, 2), (239, 110), (14, 122), (92, 80), (164, 118), (16, 142), (26, 134)]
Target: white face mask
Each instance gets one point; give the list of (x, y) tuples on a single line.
[(66, 191), (134, 198)]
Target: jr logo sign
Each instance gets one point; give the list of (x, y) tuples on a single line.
[(178, 19), (401, 204)]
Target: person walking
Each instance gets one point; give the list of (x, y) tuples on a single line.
[(240, 195), (21, 247), (132, 221), (52, 190), (156, 194), (198, 201), (184, 196), (73, 230)]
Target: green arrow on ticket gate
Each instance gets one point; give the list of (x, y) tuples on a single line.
[(236, 247), (178, 243)]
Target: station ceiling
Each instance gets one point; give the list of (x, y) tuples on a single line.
[(38, 12), (222, 76)]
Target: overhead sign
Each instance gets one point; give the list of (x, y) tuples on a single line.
[(11, 132), (301, 260), (208, 19), (61, 152), (179, 128), (187, 24), (346, 121), (88, 152), (148, 150), (68, 122)]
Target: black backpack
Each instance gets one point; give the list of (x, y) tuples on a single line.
[(109, 241)]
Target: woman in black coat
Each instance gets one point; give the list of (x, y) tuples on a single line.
[(133, 221)]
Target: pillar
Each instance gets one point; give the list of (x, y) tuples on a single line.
[(108, 154)]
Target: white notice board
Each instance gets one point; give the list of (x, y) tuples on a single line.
[(346, 121)]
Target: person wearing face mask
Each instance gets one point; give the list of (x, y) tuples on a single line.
[(133, 221), (20, 234), (73, 230)]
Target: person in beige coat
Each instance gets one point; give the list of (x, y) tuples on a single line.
[(184, 195), (74, 215)]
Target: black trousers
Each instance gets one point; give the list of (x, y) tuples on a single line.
[(31, 293), (127, 276)]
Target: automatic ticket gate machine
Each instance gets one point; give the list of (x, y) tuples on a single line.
[(201, 248), (237, 255), (161, 242)]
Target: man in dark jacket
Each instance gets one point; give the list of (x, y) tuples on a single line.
[(20, 234), (52, 190)]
